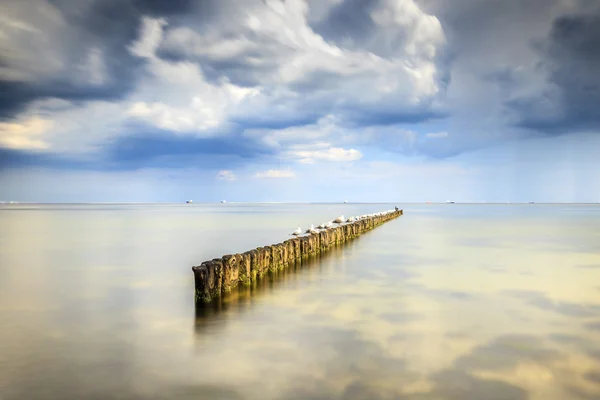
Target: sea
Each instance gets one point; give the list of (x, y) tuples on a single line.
[(447, 302)]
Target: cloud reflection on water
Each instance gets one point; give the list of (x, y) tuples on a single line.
[(374, 319)]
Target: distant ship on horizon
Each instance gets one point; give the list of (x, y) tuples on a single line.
[(223, 201), (189, 201)]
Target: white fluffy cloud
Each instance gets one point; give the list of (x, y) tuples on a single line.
[(329, 154), (188, 103), (274, 46), (150, 37), (309, 134), (310, 143)]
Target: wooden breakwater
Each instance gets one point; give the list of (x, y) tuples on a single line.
[(218, 276)]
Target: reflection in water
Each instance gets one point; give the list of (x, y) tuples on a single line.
[(430, 306), (242, 297)]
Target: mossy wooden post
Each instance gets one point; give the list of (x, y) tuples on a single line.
[(218, 276)]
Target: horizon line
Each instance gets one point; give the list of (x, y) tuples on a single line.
[(12, 202)]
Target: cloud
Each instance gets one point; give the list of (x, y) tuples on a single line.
[(160, 149), (150, 148), (196, 106), (501, 86), (197, 117), (594, 326), (63, 50), (541, 301), (226, 175), (159, 69), (570, 60), (456, 384), (336, 154), (538, 72), (274, 173), (18, 158), (24, 135), (150, 36), (70, 128), (224, 85), (309, 143), (274, 46), (386, 28), (507, 352)]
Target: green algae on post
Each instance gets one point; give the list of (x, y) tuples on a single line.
[(220, 275)]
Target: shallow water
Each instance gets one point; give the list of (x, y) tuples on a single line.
[(446, 302)]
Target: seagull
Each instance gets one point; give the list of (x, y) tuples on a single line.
[(351, 219), (328, 225), (310, 230), (339, 219), (297, 232)]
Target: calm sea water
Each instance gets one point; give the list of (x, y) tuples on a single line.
[(447, 302)]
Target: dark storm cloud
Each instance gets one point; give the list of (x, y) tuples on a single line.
[(124, 9), (571, 57), (13, 97), (348, 23), (166, 150), (109, 26), (469, 22), (153, 150), (373, 116), (23, 158), (559, 39), (278, 122)]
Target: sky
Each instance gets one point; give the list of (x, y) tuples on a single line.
[(300, 100)]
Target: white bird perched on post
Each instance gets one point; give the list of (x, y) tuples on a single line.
[(311, 229), (339, 219), (328, 225), (297, 232)]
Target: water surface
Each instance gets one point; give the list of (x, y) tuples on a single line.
[(447, 302)]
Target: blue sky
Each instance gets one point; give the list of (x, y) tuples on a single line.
[(300, 100)]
